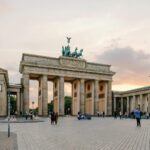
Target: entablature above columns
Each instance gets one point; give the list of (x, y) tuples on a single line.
[(66, 73), (64, 63)]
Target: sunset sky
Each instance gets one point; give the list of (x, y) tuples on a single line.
[(115, 32)]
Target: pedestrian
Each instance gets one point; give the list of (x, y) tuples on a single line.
[(115, 114), (26, 115), (137, 115), (103, 113), (120, 114), (52, 117), (56, 118), (79, 116), (125, 115), (31, 115), (147, 115)]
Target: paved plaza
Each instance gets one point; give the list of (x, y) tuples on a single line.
[(71, 134)]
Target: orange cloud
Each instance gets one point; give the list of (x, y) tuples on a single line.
[(131, 66)]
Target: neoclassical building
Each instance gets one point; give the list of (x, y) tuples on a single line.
[(4, 83), (6, 88), (91, 85), (127, 101)]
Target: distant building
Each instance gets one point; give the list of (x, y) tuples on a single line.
[(6, 88), (127, 101), (4, 83)]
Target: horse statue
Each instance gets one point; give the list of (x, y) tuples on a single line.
[(73, 54), (66, 51), (79, 54)]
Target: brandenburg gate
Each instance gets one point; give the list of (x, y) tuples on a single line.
[(91, 82)]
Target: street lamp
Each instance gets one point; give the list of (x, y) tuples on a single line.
[(8, 114)]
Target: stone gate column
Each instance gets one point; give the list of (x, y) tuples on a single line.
[(44, 95), (40, 98), (82, 95), (18, 103), (89, 97), (133, 102), (21, 96), (128, 105), (61, 96), (26, 92), (148, 103), (75, 97), (109, 98), (114, 103), (96, 94), (122, 104), (141, 102)]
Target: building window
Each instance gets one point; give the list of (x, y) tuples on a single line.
[(102, 95), (39, 92), (0, 87), (55, 94), (75, 86), (55, 85), (89, 87), (101, 88), (88, 95), (75, 94)]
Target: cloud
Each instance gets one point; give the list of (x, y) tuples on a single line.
[(131, 66), (4, 7)]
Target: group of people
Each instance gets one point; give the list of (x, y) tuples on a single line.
[(121, 115), (101, 114), (54, 117), (136, 113), (81, 116), (30, 115)]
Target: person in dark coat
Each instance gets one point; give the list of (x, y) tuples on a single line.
[(52, 117), (103, 114), (56, 118), (115, 114)]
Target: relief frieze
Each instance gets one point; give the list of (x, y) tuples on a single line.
[(72, 62)]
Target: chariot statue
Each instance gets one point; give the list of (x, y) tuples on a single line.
[(66, 51)]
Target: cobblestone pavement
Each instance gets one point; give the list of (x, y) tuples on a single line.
[(71, 134), (8, 143)]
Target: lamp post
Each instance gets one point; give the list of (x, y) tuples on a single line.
[(8, 114)]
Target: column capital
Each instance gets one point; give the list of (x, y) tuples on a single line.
[(82, 80), (25, 74)]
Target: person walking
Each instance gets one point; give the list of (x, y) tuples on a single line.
[(56, 118), (52, 117), (26, 115), (103, 114), (147, 115), (115, 114), (137, 115), (120, 114)]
